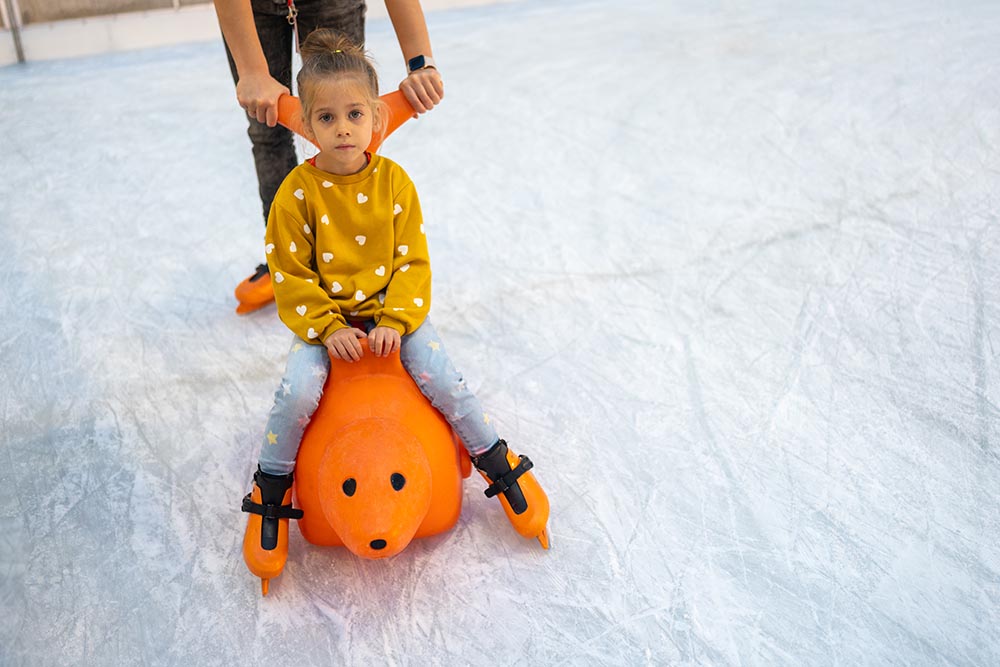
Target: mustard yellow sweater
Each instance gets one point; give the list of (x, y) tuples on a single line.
[(348, 247)]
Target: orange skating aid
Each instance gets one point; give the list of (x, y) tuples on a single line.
[(399, 111), (378, 465)]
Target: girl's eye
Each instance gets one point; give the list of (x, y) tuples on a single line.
[(354, 115), (325, 118)]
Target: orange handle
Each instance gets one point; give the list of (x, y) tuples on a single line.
[(290, 115)]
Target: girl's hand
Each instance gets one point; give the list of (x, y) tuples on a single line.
[(423, 88), (383, 341), (345, 344), (258, 94)]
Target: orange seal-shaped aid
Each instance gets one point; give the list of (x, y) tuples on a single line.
[(378, 465)]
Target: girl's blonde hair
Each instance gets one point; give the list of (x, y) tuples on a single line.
[(328, 54)]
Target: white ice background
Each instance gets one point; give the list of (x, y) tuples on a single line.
[(728, 272)]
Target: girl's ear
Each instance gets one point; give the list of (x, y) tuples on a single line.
[(381, 110), (307, 128)]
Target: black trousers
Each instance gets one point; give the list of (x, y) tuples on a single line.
[(273, 147)]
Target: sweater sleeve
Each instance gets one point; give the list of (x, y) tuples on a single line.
[(408, 296), (302, 304)]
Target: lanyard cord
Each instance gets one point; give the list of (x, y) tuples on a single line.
[(293, 13)]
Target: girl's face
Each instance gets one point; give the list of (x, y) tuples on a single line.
[(341, 121)]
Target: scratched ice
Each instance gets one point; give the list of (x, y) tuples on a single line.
[(728, 272)]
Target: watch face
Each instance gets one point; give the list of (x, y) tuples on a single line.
[(416, 63)]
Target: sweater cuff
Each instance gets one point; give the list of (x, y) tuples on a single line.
[(386, 321), (336, 325)]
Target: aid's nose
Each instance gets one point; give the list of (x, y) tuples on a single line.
[(377, 544)]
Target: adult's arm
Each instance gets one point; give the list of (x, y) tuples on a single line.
[(424, 88), (256, 91)]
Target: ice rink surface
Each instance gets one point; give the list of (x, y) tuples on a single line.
[(729, 272)]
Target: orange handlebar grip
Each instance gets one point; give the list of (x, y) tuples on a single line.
[(290, 115)]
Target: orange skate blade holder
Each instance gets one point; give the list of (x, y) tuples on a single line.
[(251, 296), (533, 522), (265, 564)]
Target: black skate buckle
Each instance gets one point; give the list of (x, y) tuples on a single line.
[(271, 511), (261, 271), (509, 479)]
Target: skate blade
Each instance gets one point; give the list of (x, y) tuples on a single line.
[(543, 538), (244, 308)]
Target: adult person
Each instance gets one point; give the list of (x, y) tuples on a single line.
[(259, 36)]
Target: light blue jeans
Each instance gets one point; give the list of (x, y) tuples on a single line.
[(423, 357)]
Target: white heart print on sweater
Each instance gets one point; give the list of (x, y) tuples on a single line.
[(404, 268), (325, 219), (361, 239), (362, 198), (306, 229), (300, 194), (327, 184), (311, 333), (397, 209), (269, 248), (278, 278), (380, 271), (403, 249), (419, 302), (336, 287), (327, 257), (360, 296), (292, 247), (301, 310)]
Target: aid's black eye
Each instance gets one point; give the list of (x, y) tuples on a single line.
[(397, 480), (350, 486)]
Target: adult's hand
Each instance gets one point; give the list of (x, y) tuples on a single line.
[(423, 88), (258, 94)]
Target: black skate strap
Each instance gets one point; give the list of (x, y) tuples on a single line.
[(259, 272), (509, 479), (271, 511)]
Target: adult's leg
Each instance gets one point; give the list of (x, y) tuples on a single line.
[(424, 358), (273, 148), (294, 403), (346, 16)]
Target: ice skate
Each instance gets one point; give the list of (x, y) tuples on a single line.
[(255, 292), (265, 543), (522, 498)]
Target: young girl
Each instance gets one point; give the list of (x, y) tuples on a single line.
[(348, 257)]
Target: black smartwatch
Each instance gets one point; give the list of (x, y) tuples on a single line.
[(419, 62)]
